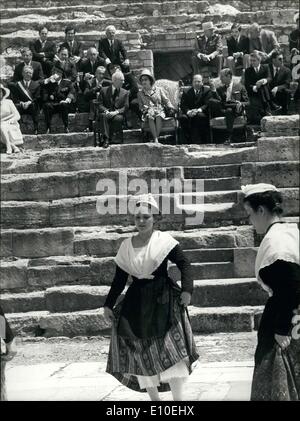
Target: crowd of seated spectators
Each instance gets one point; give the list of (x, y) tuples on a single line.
[(253, 79)]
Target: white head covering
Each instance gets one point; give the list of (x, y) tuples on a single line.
[(145, 199), (296, 17), (250, 189), (6, 91), (142, 264)]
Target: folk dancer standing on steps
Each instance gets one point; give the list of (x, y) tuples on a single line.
[(207, 51), (152, 346), (10, 133), (277, 267), (113, 104), (26, 95), (58, 96), (153, 104), (232, 98)]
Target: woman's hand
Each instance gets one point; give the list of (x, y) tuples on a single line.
[(283, 341), (11, 351), (108, 315), (185, 298)]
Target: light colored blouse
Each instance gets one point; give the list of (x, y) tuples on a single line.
[(8, 111)]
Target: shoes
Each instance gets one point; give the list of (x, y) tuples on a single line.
[(105, 143), (67, 130), (35, 132), (48, 131), (274, 107), (227, 142)]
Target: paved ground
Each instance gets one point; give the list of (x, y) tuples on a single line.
[(63, 369)]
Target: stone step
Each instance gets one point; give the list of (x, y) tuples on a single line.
[(278, 148), (92, 322), (213, 171), (120, 156), (280, 126), (207, 293), (213, 184), (136, 23), (122, 9), (105, 241), (280, 173)]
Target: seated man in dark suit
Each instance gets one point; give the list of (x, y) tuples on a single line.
[(92, 88), (112, 50), (74, 47), (63, 62), (131, 85), (58, 97), (26, 96), (257, 79), (113, 104), (281, 78), (238, 49), (208, 48), (37, 75), (89, 66), (232, 97), (194, 116), (294, 37), (43, 51)]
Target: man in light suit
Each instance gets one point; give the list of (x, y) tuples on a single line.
[(26, 96), (37, 75), (231, 99), (113, 104), (281, 77), (262, 41), (112, 50), (43, 51), (257, 79)]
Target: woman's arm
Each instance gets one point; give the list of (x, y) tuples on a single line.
[(15, 113), (177, 256), (117, 286)]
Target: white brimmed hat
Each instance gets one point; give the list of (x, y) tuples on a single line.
[(146, 199), (296, 17), (250, 189), (208, 25), (6, 91)]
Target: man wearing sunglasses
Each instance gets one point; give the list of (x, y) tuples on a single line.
[(279, 84)]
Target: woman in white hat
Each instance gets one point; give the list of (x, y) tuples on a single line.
[(277, 267), (152, 347), (10, 133), (153, 103)]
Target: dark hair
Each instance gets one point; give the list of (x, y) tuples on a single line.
[(43, 27), (61, 48), (272, 200), (256, 55), (276, 53), (69, 29)]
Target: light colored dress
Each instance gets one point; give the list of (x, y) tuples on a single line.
[(9, 126), (153, 103)]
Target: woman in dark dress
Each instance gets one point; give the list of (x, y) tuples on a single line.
[(277, 357), (152, 347)]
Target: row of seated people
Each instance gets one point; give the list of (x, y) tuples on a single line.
[(209, 51), (266, 90)]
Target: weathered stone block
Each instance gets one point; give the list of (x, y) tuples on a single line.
[(244, 262), (13, 275)]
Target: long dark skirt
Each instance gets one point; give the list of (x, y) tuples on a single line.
[(276, 374), (151, 333)]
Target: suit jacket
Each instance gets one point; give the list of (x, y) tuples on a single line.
[(37, 71), (21, 94), (87, 67), (282, 78), (208, 46), (107, 103), (116, 55), (131, 85), (241, 46), (189, 100), (251, 77), (266, 42), (75, 50), (90, 90), (239, 93), (49, 49), (294, 39), (69, 68), (60, 91)]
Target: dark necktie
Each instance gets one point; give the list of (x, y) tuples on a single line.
[(115, 94)]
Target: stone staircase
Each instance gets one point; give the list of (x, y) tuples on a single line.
[(57, 250)]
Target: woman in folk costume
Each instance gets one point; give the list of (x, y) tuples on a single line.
[(10, 133), (277, 357), (152, 347)]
